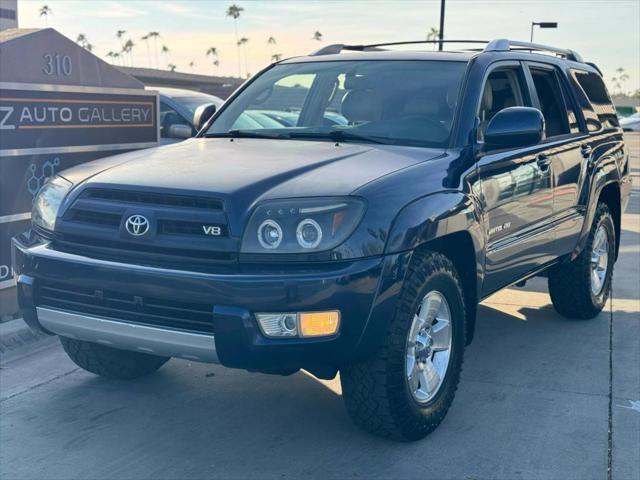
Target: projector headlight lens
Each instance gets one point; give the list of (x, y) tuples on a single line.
[(309, 233), (302, 225), (269, 234), (48, 202)]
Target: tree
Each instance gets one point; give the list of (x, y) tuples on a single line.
[(171, 67), (234, 12), (433, 34), (116, 57), (271, 41), (155, 36), (622, 79), (84, 42), (192, 64), (276, 57), (45, 11), (127, 48), (146, 41), (242, 43), (213, 51), (165, 51), (120, 36), (317, 36)]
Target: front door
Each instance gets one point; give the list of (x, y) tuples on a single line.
[(516, 190)]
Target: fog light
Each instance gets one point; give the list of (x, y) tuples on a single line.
[(278, 324), (318, 324), (303, 324)]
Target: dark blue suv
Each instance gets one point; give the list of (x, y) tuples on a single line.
[(361, 245)]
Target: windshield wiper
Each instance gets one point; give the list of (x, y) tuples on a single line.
[(342, 135), (339, 136), (245, 134)]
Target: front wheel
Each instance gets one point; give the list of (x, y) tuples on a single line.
[(111, 362), (405, 390), (579, 289)]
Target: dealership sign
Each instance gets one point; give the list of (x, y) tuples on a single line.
[(59, 106)]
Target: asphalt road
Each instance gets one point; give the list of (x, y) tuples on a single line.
[(538, 398)]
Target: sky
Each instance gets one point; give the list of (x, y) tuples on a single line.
[(606, 32)]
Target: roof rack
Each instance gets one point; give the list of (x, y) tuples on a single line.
[(504, 45), (498, 45), (339, 47)]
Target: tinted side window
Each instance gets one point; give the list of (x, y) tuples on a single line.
[(560, 119), (501, 90), (168, 117), (594, 100)]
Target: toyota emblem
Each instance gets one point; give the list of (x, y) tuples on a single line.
[(137, 225)]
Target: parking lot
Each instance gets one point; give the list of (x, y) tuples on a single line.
[(540, 397)]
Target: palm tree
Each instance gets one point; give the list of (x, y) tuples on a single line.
[(242, 43), (119, 36), (234, 12), (165, 51), (271, 41), (128, 46), (622, 79), (276, 57), (317, 36), (213, 51), (84, 42), (433, 34), (155, 36), (45, 11), (111, 54), (171, 67), (116, 57), (146, 40), (192, 64)]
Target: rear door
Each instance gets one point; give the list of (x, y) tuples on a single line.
[(516, 188), (565, 150)]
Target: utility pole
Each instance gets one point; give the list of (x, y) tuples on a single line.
[(441, 31), (542, 25)]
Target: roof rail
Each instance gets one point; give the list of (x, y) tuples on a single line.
[(504, 45), (339, 47), (498, 45)]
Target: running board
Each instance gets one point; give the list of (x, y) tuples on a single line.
[(129, 336)]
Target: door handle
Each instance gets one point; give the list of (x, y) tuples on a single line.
[(543, 162), (586, 150)]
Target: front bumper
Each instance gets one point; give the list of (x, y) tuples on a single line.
[(365, 292)]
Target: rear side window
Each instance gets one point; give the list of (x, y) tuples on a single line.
[(559, 117), (596, 105)]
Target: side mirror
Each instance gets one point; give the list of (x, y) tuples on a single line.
[(515, 127), (202, 114), (180, 131)]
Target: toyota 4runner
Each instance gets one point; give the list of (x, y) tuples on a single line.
[(344, 211)]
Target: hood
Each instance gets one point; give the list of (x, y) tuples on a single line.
[(248, 170)]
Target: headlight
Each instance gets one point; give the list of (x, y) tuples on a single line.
[(301, 225), (48, 201)]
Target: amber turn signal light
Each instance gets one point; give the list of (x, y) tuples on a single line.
[(319, 324)]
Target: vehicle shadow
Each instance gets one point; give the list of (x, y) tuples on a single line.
[(194, 420)]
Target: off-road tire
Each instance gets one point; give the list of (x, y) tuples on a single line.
[(376, 391), (570, 283), (111, 362)]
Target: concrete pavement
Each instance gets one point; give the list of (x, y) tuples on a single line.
[(540, 397)]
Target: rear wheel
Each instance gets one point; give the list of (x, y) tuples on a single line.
[(405, 390), (579, 289), (111, 362)]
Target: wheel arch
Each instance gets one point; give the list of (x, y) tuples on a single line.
[(449, 223)]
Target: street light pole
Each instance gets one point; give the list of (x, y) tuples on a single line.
[(542, 25), (441, 31)]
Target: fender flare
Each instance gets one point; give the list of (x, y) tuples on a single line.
[(430, 219), (606, 173)]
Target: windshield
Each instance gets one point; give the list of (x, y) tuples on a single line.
[(390, 102)]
